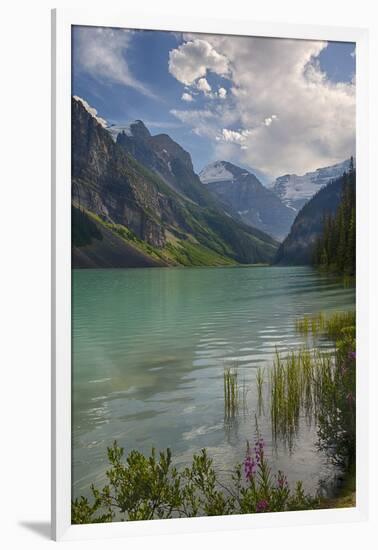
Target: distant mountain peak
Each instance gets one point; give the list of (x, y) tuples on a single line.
[(136, 129), (223, 170), (296, 190), (243, 194), (220, 170), (139, 130)]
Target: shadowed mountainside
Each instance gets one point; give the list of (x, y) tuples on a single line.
[(246, 198), (298, 247)]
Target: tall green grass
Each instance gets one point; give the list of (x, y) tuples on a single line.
[(310, 324), (331, 326), (297, 384), (231, 392), (318, 386), (260, 376), (235, 393)]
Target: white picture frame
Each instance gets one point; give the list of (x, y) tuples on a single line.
[(62, 20)]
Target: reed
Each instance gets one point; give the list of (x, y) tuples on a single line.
[(260, 377), (338, 322), (310, 324), (298, 384), (231, 392), (331, 326)]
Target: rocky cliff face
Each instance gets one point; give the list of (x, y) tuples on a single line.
[(161, 154), (241, 192), (106, 183), (160, 203), (298, 247)]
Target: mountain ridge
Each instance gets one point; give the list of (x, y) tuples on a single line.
[(184, 227), (295, 191), (247, 198)]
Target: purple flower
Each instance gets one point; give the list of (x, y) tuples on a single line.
[(352, 355), (281, 480), (262, 505), (259, 449), (249, 467)]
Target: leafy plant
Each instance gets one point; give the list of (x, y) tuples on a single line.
[(142, 488)]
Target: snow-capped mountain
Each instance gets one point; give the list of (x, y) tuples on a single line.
[(295, 190), (216, 172), (243, 195)]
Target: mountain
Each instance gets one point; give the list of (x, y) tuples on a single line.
[(245, 197), (298, 247), (128, 214), (295, 190), (165, 157)]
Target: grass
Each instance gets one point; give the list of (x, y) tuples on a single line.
[(332, 326), (297, 383), (179, 251), (189, 253), (308, 383), (338, 323), (231, 393), (260, 374), (310, 324)]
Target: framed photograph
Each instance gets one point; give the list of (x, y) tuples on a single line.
[(210, 261)]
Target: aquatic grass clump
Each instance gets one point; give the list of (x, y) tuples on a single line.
[(310, 324), (331, 326), (338, 322), (298, 383), (231, 392), (319, 386)]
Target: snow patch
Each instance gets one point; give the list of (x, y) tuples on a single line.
[(291, 187), (215, 172)]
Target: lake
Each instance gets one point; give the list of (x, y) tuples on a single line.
[(149, 351)]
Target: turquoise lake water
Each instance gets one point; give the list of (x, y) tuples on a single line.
[(149, 351)]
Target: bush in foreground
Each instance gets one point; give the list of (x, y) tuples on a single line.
[(150, 487)]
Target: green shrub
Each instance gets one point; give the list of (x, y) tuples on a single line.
[(142, 488)]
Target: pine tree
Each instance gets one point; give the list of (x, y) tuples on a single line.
[(335, 248)]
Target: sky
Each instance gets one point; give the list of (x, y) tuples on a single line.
[(273, 105)]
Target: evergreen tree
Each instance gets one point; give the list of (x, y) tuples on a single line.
[(335, 248)]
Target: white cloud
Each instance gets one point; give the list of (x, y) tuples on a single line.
[(100, 52), (201, 121), (187, 97), (222, 93), (92, 111), (193, 59), (203, 86), (268, 120), (234, 136), (313, 124), (192, 116)]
